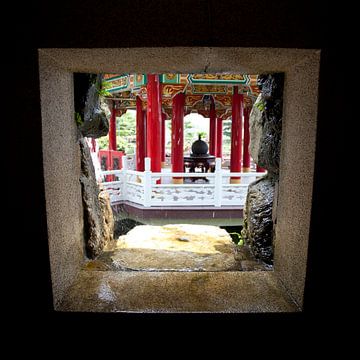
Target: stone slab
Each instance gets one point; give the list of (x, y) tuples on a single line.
[(174, 247), (176, 292)]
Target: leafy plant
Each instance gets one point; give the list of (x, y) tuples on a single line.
[(260, 105), (103, 90), (226, 138), (203, 134), (79, 121), (125, 134), (240, 241)]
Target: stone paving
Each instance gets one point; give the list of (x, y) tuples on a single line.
[(178, 247), (176, 268), (177, 292)]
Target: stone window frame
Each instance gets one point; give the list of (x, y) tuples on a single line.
[(294, 195)]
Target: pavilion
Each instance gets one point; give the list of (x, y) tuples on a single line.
[(158, 98)]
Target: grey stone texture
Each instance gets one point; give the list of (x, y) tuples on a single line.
[(296, 173), (61, 157), (63, 192), (270, 143), (258, 230), (265, 146), (256, 127), (95, 123), (173, 292), (98, 230), (107, 216)]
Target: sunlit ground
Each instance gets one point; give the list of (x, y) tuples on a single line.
[(180, 247), (201, 239)]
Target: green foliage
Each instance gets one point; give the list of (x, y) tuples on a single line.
[(123, 145), (226, 137), (125, 134), (260, 105), (203, 134), (103, 90), (227, 128), (188, 124), (191, 134), (240, 240), (79, 121), (244, 231), (126, 125), (103, 142)]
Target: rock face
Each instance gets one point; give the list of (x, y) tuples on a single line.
[(270, 144), (124, 225), (98, 219), (107, 216), (256, 127), (94, 122), (266, 123), (180, 247), (265, 133), (258, 215)]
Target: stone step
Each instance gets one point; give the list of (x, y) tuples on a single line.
[(173, 292)]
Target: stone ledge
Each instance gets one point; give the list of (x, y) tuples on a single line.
[(174, 292)]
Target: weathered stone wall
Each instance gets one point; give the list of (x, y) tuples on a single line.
[(98, 217), (265, 146), (92, 122), (294, 199), (90, 115), (271, 86), (61, 156), (107, 216), (258, 215), (62, 171)]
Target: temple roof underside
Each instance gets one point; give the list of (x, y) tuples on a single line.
[(198, 89)]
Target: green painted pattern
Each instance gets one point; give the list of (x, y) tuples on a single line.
[(165, 80), (208, 92), (122, 87), (140, 83), (218, 81)]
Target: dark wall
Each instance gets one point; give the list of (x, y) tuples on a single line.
[(130, 23)]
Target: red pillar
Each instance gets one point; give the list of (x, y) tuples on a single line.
[(246, 155), (140, 136), (163, 139), (172, 133), (153, 123), (177, 135), (112, 128), (93, 145), (212, 135), (145, 132), (219, 133), (259, 168), (236, 134)]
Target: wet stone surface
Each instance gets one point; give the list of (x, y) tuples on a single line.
[(155, 292), (176, 248)]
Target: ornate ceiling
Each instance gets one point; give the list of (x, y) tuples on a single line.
[(197, 88)]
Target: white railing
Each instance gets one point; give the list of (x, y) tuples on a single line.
[(152, 189), (131, 161)]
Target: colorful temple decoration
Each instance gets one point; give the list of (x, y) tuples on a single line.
[(125, 88), (234, 79), (161, 97)]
